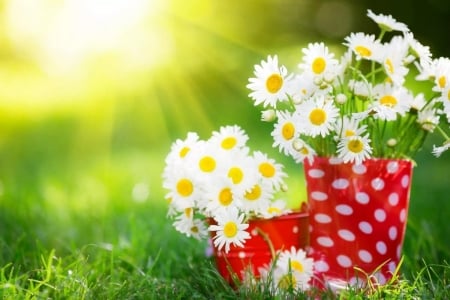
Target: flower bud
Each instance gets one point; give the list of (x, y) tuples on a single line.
[(391, 142), (268, 115), (341, 98)]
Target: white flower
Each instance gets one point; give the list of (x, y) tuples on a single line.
[(229, 138), (417, 49), (179, 154), (360, 88), (347, 127), (219, 196), (302, 151), (364, 46), (269, 86), (318, 61), (230, 229), (184, 189), (354, 149), (418, 102), (390, 101), (302, 87), (428, 119), (275, 209), (269, 170), (387, 22), (441, 73), (285, 131), (188, 225), (437, 151), (258, 198), (242, 172), (207, 160), (268, 115), (293, 270), (393, 60), (317, 116)]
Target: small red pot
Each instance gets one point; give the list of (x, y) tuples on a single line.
[(283, 232)]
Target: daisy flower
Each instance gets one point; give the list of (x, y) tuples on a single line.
[(441, 73), (393, 61), (293, 270), (180, 152), (269, 170), (269, 86), (347, 127), (242, 172), (258, 198), (207, 160), (229, 138), (302, 87), (191, 227), (302, 151), (437, 151), (360, 88), (184, 189), (390, 101), (417, 50), (428, 119), (220, 196), (364, 46), (387, 22), (418, 102), (317, 116), (285, 131), (275, 209), (354, 149), (230, 229), (317, 60)]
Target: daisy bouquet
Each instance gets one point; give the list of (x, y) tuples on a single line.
[(381, 98), (218, 185)]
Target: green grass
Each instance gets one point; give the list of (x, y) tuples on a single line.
[(70, 227)]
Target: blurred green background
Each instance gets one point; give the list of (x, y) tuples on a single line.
[(93, 93)]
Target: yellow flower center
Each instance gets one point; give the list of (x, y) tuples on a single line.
[(318, 65), (317, 116), (207, 164), (274, 83), (296, 265), (349, 132), (273, 210), (304, 151), (230, 229), (225, 197), (188, 212), (363, 51), (184, 151), (254, 193), (355, 146), (287, 282), (266, 169), (389, 66), (194, 229), (288, 131), (229, 142), (236, 175), (185, 187), (388, 100), (448, 95), (442, 82)]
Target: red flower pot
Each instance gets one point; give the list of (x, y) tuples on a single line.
[(283, 232), (358, 217)]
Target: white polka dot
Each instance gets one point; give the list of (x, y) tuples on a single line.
[(254, 232), (340, 184), (393, 199), (380, 279), (402, 215), (359, 169), (392, 232), (399, 251), (295, 229), (322, 218), (381, 247), (380, 215), (346, 235), (392, 266), (377, 184), (241, 254), (355, 281), (405, 181), (362, 197), (335, 161), (325, 241), (310, 228), (392, 167), (365, 256), (365, 227), (316, 173), (321, 266), (344, 261), (319, 196), (344, 209)]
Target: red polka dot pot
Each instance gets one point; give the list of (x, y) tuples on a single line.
[(358, 217), (283, 232)]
